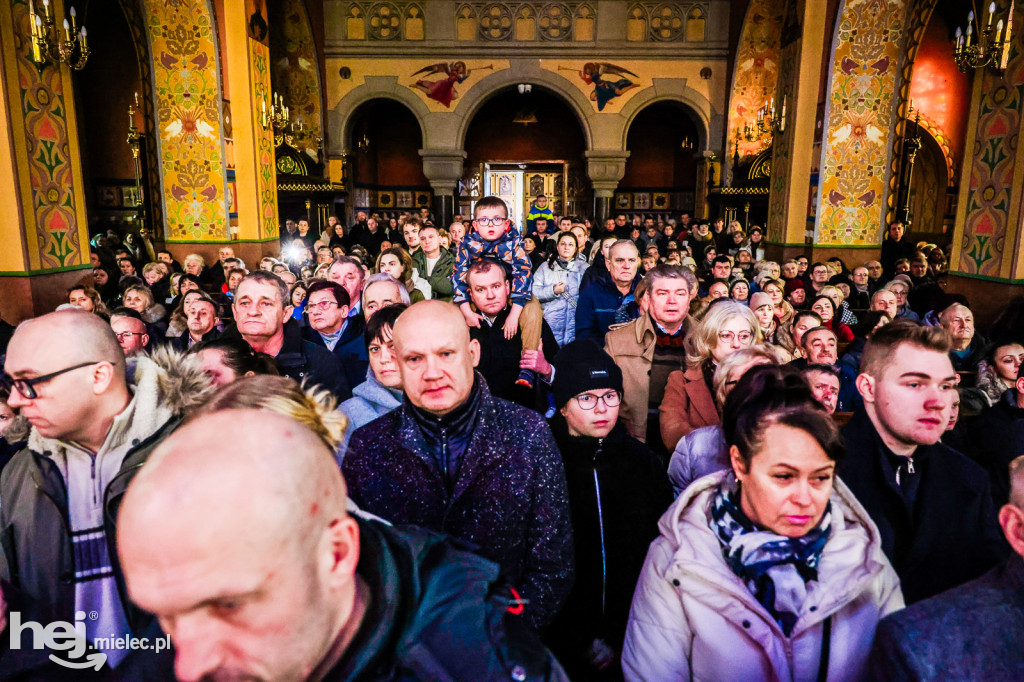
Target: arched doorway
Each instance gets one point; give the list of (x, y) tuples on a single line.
[(521, 144), (663, 142), (110, 83), (387, 171)]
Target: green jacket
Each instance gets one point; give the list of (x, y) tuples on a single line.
[(440, 279)]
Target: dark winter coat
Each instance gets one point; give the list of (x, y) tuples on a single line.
[(618, 489), (509, 496), (350, 350), (997, 437), (951, 535), (499, 361), (596, 307), (438, 613), (975, 632)]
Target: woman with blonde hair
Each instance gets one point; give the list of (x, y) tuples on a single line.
[(726, 327), (776, 288), (399, 264), (88, 299), (312, 406)]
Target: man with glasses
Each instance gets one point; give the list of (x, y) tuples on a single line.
[(327, 305), (95, 419), (130, 330), (650, 348), (618, 489)]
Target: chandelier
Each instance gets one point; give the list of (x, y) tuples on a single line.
[(991, 48), (60, 46), (278, 116)]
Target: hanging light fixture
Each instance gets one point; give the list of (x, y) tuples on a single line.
[(49, 44), (991, 48)]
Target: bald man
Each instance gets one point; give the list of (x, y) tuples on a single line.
[(455, 459), (95, 419), (255, 569)]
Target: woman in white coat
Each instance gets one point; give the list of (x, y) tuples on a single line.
[(770, 571), (556, 284)]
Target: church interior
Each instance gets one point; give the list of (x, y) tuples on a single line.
[(211, 122)]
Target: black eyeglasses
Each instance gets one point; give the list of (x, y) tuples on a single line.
[(588, 401), (27, 387), (122, 336)]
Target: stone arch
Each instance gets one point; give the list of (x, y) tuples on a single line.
[(698, 108), (457, 126), (339, 120)]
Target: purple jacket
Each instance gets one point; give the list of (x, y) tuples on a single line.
[(510, 498)]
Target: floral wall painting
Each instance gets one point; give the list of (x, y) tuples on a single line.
[(602, 76), (188, 104), (438, 81), (863, 90)]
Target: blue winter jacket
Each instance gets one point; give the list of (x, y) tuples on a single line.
[(595, 309), (369, 400)]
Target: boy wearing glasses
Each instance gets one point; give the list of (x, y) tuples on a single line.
[(494, 237), (617, 491)]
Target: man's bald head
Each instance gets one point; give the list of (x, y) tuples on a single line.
[(257, 529), (49, 334), (86, 387), (436, 356)]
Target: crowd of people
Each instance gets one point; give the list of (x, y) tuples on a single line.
[(559, 450)]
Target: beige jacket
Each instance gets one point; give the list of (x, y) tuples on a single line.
[(632, 348)]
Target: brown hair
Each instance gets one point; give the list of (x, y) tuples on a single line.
[(886, 340)]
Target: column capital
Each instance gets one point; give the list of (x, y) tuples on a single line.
[(443, 167), (605, 167)]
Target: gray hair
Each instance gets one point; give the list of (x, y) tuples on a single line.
[(403, 293), (666, 271), (767, 353)]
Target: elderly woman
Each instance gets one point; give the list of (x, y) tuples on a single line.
[(704, 451), (556, 284), (399, 264), (726, 327), (769, 570), (382, 390)]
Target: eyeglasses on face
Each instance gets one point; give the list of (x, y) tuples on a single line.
[(322, 305), (123, 336), (728, 337), (489, 221), (588, 401), (27, 387)]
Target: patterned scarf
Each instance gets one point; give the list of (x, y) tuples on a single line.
[(775, 568)]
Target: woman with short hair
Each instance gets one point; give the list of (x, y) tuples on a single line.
[(771, 569), (726, 327)]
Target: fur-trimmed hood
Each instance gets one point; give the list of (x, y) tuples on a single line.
[(165, 384), (18, 430)]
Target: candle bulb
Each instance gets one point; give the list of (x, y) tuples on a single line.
[(84, 36), (999, 31), (991, 12), (67, 30)]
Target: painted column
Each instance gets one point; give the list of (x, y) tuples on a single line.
[(860, 123), (796, 96), (251, 103), (988, 237), (44, 242)]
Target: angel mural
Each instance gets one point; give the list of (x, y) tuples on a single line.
[(443, 89), (593, 73)]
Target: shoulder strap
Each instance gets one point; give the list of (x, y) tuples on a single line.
[(826, 645)]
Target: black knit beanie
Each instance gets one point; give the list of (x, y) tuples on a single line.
[(583, 366)]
